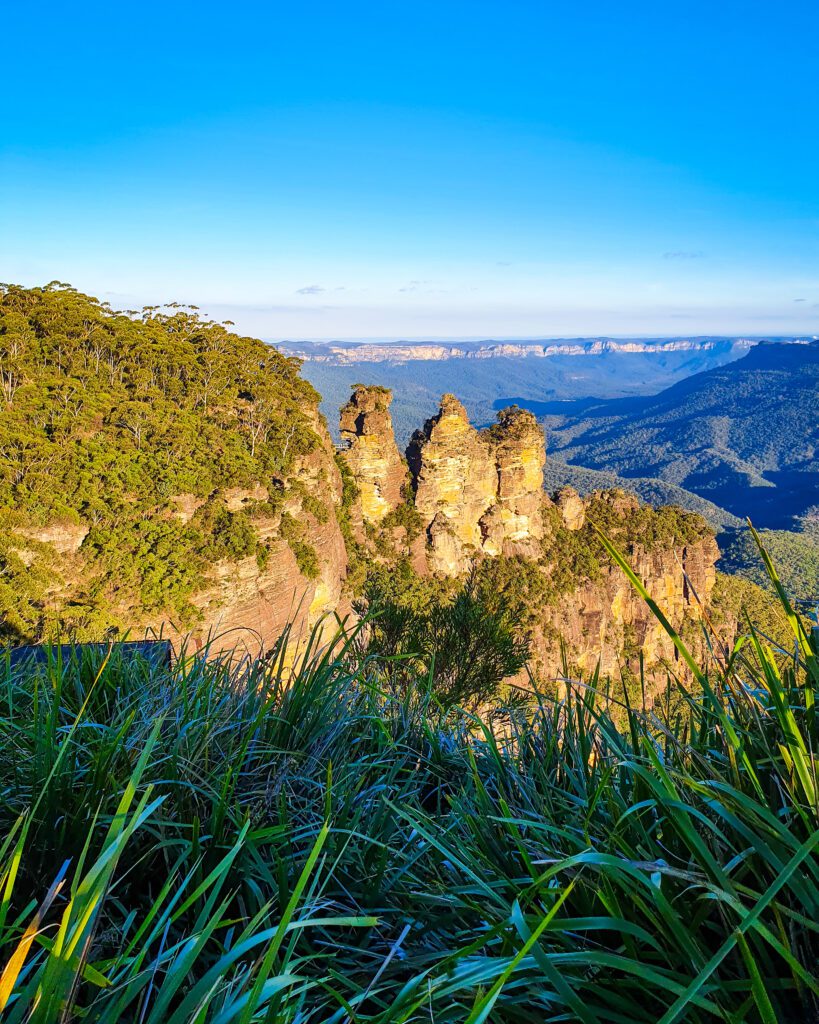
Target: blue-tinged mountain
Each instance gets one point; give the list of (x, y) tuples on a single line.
[(744, 436), (485, 374)]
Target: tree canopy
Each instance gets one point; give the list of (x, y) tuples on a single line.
[(106, 416)]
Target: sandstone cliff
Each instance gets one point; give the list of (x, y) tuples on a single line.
[(479, 494), (604, 621), (247, 605), (371, 452), (244, 603)]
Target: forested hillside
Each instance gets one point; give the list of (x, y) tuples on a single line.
[(795, 553), (121, 432), (743, 436), (654, 492)]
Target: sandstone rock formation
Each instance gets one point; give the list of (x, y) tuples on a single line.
[(65, 538), (572, 508), (244, 606), (605, 621), (514, 524), (473, 495), (371, 452), (477, 493), (455, 482)]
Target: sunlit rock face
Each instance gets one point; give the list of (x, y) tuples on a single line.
[(372, 454), (477, 493), (455, 483), (572, 508), (606, 623), (245, 606), (514, 525)]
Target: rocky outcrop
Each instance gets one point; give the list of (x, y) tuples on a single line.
[(603, 620), (477, 493), (455, 482), (462, 495), (513, 525), (606, 622), (371, 452), (245, 607), (572, 508), (64, 538)]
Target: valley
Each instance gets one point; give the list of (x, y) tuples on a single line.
[(727, 428)]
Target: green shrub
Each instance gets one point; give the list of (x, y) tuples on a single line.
[(304, 552)]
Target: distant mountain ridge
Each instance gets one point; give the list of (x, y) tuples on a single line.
[(488, 375), (744, 436), (344, 353)]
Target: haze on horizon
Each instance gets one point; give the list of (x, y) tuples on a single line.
[(424, 170)]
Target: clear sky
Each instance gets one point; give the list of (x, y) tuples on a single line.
[(424, 169)]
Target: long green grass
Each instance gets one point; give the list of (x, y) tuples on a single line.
[(226, 842)]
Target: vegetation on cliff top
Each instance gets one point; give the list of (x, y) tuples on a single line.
[(212, 843), (106, 416)]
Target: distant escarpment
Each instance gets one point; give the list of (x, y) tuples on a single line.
[(340, 353), (473, 501)]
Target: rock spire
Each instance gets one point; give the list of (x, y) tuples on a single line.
[(371, 453)]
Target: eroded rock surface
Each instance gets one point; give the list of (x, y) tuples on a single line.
[(478, 493), (514, 525), (371, 452), (455, 482)]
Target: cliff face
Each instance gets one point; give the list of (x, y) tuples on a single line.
[(477, 493), (244, 603), (371, 453), (247, 605), (604, 620)]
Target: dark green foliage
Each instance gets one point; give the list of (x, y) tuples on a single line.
[(105, 416), (230, 534), (451, 636), (796, 555), (305, 554), (407, 516), (318, 846)]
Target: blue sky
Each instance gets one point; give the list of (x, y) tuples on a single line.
[(420, 169)]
